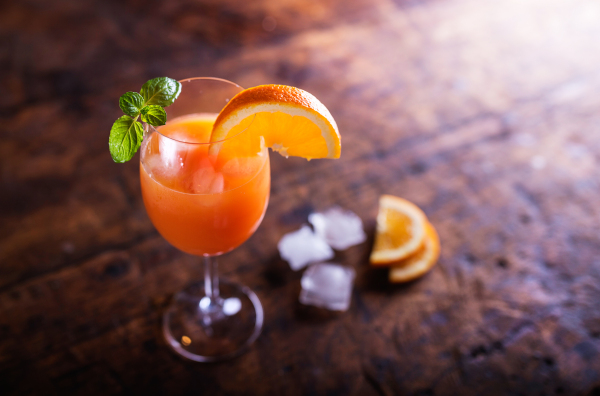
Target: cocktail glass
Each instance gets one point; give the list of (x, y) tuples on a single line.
[(206, 199)]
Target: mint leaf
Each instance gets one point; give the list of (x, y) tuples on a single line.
[(160, 91), (125, 139), (126, 133), (154, 115), (131, 103)]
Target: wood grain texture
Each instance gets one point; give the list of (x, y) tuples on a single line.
[(485, 114)]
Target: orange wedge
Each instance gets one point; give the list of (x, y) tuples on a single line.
[(400, 230), (290, 120), (420, 262)]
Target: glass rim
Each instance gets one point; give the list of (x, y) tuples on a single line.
[(182, 81)]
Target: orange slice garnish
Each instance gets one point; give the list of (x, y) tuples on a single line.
[(400, 230), (420, 262), (290, 120)]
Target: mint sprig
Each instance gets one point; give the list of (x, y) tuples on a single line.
[(127, 132)]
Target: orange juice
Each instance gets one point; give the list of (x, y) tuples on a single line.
[(201, 204)]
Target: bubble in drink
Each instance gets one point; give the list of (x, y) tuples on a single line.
[(327, 285)]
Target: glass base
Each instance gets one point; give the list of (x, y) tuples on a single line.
[(206, 330)]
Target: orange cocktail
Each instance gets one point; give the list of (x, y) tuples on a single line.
[(206, 198), (205, 179), (202, 204)]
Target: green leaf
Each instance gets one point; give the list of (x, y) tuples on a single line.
[(154, 115), (125, 139), (160, 91), (131, 103)]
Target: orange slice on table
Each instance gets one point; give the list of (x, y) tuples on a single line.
[(420, 262), (290, 120), (400, 230)]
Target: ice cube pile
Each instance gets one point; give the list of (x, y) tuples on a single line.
[(335, 228), (326, 285), (176, 166)]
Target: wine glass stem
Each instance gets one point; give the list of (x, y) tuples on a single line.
[(211, 278)]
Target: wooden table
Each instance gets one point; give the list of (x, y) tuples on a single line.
[(486, 114)]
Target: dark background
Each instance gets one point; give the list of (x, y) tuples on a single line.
[(484, 113)]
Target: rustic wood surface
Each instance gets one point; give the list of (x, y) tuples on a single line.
[(484, 113)]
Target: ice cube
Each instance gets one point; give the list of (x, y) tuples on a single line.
[(327, 285), (301, 247), (243, 167), (206, 180), (172, 152), (158, 169), (340, 228)]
